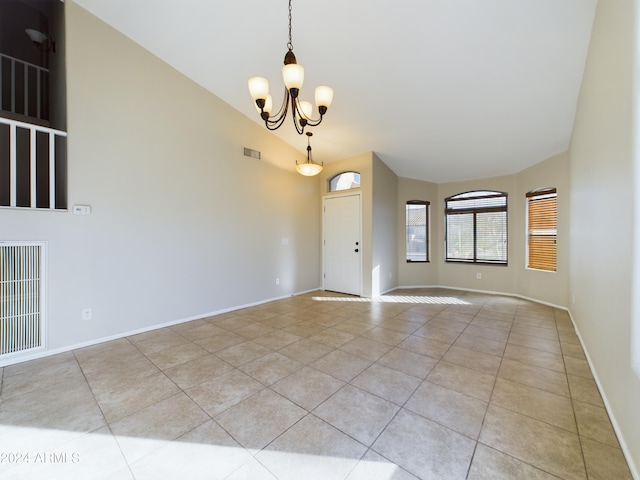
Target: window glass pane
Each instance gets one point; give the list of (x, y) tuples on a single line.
[(344, 181), (417, 231), (460, 236), (491, 236), (460, 203)]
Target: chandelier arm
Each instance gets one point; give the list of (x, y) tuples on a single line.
[(315, 123), (278, 118), (299, 128), (297, 117), (308, 121), (275, 123)]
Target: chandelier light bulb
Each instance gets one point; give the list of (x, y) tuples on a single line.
[(324, 96), (268, 105), (258, 88), (293, 76), (306, 109)]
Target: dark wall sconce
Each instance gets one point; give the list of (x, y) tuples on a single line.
[(41, 40)]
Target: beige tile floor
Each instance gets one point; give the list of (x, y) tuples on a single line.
[(425, 383)]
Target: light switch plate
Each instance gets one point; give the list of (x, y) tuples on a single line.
[(81, 210)]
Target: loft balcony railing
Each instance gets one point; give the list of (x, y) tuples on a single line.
[(24, 87), (33, 172), (33, 163)]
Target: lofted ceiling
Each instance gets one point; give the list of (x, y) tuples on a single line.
[(440, 90)]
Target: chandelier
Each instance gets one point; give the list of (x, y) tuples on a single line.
[(309, 168), (293, 76)]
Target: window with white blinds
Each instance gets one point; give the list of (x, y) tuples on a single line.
[(476, 227), (542, 229), (417, 231)]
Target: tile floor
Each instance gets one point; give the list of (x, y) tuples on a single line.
[(419, 384)]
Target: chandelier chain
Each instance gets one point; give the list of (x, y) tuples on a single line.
[(290, 43)]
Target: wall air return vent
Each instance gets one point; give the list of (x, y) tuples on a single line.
[(248, 152), (21, 296)]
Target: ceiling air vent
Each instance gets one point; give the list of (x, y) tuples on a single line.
[(251, 153)]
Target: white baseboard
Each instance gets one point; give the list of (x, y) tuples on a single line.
[(488, 292), (635, 471), (41, 353)]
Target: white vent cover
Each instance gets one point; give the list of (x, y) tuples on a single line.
[(21, 296)]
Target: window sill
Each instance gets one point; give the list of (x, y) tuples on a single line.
[(471, 262), (540, 270)]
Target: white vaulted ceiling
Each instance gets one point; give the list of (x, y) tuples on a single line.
[(441, 90)]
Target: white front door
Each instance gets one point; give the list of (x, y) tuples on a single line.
[(342, 244)]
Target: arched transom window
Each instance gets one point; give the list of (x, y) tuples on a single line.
[(344, 181)]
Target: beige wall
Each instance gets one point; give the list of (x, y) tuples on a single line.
[(495, 278), (516, 279), (601, 199), (378, 187), (183, 224), (417, 274), (550, 287), (384, 270)]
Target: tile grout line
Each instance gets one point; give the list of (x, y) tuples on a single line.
[(183, 391), (573, 407), (484, 417), (106, 423)]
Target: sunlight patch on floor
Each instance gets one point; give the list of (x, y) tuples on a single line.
[(397, 299), (57, 454)]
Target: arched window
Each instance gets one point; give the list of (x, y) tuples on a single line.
[(344, 181), (542, 229), (476, 227)]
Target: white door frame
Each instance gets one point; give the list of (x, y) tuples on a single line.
[(329, 197)]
